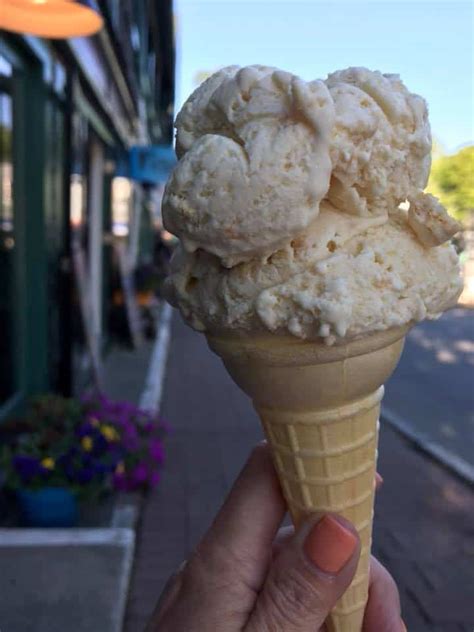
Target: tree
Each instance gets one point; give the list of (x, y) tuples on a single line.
[(452, 181)]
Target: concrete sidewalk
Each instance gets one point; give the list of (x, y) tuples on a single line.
[(423, 527)]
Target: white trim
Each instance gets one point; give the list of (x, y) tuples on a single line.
[(151, 396), (458, 465), (125, 578), (67, 537)]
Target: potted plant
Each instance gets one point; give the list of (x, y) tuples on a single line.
[(69, 450), (141, 441)]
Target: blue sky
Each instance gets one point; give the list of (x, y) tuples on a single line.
[(430, 44)]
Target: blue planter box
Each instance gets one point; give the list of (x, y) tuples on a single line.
[(48, 507)]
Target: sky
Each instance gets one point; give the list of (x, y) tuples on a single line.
[(428, 43)]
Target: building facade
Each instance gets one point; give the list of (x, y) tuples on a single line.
[(70, 113)]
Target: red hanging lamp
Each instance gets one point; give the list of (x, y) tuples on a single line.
[(55, 19)]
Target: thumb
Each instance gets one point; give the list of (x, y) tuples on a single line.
[(307, 578)]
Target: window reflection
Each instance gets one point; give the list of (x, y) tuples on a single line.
[(78, 181), (77, 200), (121, 204)]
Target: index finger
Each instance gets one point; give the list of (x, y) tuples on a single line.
[(240, 538)]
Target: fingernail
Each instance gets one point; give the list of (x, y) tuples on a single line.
[(378, 479), (404, 627), (329, 545)]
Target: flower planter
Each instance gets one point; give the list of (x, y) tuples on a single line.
[(68, 450), (48, 507)]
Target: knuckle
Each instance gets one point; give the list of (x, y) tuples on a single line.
[(223, 562), (211, 569), (211, 581), (292, 596)]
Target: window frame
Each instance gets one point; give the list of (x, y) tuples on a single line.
[(30, 334)]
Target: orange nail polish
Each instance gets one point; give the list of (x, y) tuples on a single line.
[(329, 545)]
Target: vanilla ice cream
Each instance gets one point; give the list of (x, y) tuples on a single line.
[(380, 143), (286, 201), (243, 132)]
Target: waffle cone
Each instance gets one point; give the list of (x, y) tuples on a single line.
[(319, 407)]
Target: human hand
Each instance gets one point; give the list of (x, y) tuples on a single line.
[(246, 576)]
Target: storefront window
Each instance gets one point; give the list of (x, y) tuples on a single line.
[(89, 218), (7, 236)]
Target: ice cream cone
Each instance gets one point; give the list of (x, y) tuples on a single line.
[(319, 406)]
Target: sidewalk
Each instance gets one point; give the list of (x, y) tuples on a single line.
[(438, 358), (423, 527)]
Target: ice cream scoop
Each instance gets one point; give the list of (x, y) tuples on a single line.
[(334, 284), (286, 200), (254, 143), (380, 143)]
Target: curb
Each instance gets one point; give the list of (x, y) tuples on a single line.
[(150, 398), (422, 442)]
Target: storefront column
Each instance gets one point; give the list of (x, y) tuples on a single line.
[(96, 238)]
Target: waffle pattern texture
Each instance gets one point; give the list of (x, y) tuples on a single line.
[(326, 463)]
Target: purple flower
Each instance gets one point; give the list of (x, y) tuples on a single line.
[(121, 483), (84, 475), (94, 414), (115, 455), (102, 468), (100, 444), (148, 427), (140, 473), (157, 452), (130, 438), (84, 430), (28, 467)]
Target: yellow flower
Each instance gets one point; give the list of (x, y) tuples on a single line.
[(109, 433), (48, 463), (94, 422), (87, 443), (120, 469)]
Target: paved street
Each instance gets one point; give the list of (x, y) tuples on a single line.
[(423, 526), (433, 387)]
